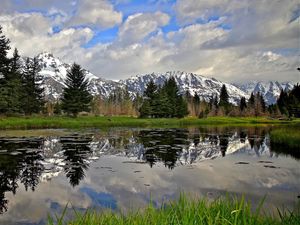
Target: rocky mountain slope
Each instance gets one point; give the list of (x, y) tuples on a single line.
[(270, 90), (54, 73)]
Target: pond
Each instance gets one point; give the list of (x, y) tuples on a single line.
[(42, 172)]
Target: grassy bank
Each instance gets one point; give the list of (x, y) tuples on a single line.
[(186, 211), (288, 137), (118, 121)]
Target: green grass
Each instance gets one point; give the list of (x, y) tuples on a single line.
[(38, 122), (186, 211), (289, 137)]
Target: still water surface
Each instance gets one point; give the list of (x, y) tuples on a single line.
[(124, 169)]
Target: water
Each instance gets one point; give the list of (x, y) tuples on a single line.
[(124, 169)]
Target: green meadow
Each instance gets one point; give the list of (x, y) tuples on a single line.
[(39, 122)]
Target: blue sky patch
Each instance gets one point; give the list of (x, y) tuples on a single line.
[(100, 198)]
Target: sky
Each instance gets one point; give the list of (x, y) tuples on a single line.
[(231, 40)]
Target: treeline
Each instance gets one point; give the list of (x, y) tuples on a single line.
[(288, 103), (221, 105), (20, 85), (163, 101)]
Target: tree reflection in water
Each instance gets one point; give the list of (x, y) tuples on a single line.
[(19, 161), (76, 152)]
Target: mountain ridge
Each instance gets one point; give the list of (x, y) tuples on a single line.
[(54, 72)]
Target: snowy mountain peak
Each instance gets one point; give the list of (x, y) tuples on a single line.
[(54, 72), (270, 90), (187, 82)]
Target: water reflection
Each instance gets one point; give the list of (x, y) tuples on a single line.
[(20, 160), (29, 161), (76, 152)]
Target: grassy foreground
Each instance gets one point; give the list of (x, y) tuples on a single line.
[(186, 211), (119, 121), (290, 137)]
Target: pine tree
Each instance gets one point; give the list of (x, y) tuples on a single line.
[(163, 102), (181, 107), (224, 97), (4, 62), (76, 97), (251, 100), (172, 91), (4, 48), (262, 103), (32, 97), (243, 104), (196, 102), (294, 101), (149, 106), (13, 84)]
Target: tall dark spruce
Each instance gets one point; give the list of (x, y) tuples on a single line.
[(76, 97), (4, 65), (4, 48), (32, 96), (13, 85), (224, 97)]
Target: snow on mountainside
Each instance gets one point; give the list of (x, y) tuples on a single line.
[(193, 83), (54, 73), (270, 90)]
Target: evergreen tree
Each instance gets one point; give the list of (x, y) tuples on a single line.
[(32, 97), (251, 100), (4, 48), (196, 102), (149, 106), (282, 102), (181, 107), (13, 85), (163, 102), (262, 103), (76, 97), (294, 101), (172, 92), (243, 104), (4, 63), (224, 97)]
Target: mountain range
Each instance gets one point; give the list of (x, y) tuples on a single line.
[(54, 72)]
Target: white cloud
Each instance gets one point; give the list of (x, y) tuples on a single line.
[(196, 35), (99, 14), (139, 26), (32, 33), (188, 11)]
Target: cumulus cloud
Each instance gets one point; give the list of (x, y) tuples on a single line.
[(139, 26), (32, 33), (99, 14), (188, 11)]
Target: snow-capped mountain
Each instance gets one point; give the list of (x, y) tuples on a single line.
[(187, 82), (54, 73), (270, 90)]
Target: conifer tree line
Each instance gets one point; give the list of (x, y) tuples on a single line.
[(21, 93), (20, 90), (165, 101)]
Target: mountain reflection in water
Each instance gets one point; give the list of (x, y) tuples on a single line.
[(29, 161)]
